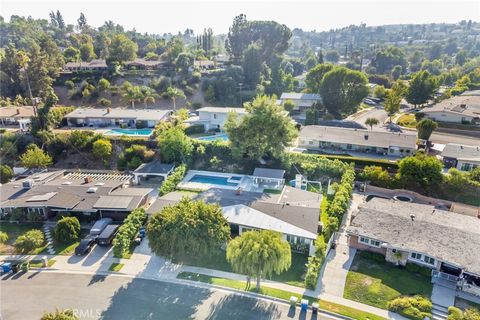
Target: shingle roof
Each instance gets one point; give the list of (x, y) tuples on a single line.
[(300, 96), (461, 152), (444, 235), (222, 110), (95, 63), (155, 167), (120, 113), (465, 105), (17, 112), (269, 173), (381, 139), (147, 63)]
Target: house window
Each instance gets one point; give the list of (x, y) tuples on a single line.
[(214, 116), (364, 240), (375, 243), (349, 147), (394, 250), (429, 260), (466, 167), (416, 256)]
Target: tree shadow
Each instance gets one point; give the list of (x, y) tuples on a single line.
[(147, 299), (234, 307)]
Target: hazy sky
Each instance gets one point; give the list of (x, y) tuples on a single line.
[(159, 16)]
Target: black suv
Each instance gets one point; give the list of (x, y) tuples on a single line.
[(85, 246)]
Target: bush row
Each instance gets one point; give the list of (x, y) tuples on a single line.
[(171, 183), (415, 308), (195, 129), (127, 232)]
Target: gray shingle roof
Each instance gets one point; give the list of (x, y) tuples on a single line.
[(380, 139), (454, 105), (120, 113), (269, 173), (444, 235), (155, 167), (300, 96), (461, 152)]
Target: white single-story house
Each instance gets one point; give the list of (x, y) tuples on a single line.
[(335, 139), (462, 157), (214, 118), (116, 117), (269, 177), (16, 116), (302, 101), (463, 109), (94, 65)]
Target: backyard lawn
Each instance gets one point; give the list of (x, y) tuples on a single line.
[(373, 281), (14, 230), (217, 260)]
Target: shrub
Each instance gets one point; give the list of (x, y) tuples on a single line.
[(30, 240), (6, 173), (199, 128), (3, 237), (102, 149), (313, 269), (415, 268), (69, 84), (67, 229), (66, 314), (457, 314), (104, 102), (127, 232), (416, 307), (171, 182)]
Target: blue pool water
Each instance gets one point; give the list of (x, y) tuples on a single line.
[(130, 132), (217, 137), (222, 181)]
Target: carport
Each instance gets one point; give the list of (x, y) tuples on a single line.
[(152, 172)]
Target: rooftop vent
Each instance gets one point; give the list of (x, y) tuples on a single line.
[(463, 105), (92, 190), (66, 183), (88, 179), (366, 137), (412, 216), (99, 184), (27, 184)]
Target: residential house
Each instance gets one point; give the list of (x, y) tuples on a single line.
[(86, 193), (302, 101), (117, 117), (269, 178), (142, 64), (462, 157), (444, 241), (204, 64), (94, 65), (214, 118), (16, 116), (349, 140), (152, 172), (293, 212), (464, 109)]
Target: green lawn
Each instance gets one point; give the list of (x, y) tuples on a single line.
[(407, 120), (39, 264), (217, 260), (116, 267), (128, 254), (281, 294), (14, 230), (375, 281), (67, 248)]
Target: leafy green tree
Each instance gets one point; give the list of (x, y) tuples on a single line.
[(148, 95), (265, 130), (67, 229), (187, 228), (174, 93), (102, 149), (461, 57), (131, 94), (379, 91), (315, 75), (396, 72), (289, 106), (420, 172), (87, 52), (184, 62), (35, 157), (332, 56), (252, 65), (122, 49), (71, 54), (29, 240), (174, 145), (103, 84), (421, 88), (80, 139), (474, 174), (386, 59), (342, 90), (6, 173), (392, 103), (3, 237), (425, 128), (66, 314), (259, 254), (371, 122)]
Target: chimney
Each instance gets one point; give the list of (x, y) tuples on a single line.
[(18, 111), (108, 110), (412, 216), (463, 105), (366, 136), (88, 179), (238, 191)]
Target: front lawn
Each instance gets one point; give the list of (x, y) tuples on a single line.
[(66, 248), (217, 260), (116, 267), (13, 230), (373, 281), (407, 120)]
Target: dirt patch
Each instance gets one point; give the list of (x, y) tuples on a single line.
[(367, 281)]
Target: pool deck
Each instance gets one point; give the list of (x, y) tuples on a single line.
[(246, 183)]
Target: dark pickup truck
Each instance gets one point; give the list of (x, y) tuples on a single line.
[(105, 238)]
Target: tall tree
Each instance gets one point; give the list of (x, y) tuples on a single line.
[(35, 157), (420, 172), (259, 254), (252, 66), (174, 145), (187, 228), (315, 75), (122, 49), (174, 93), (421, 88), (425, 128), (342, 90), (371, 122), (82, 22), (265, 130)]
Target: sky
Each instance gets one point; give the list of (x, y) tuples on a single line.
[(161, 16)]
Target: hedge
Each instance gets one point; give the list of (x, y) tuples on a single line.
[(415, 308), (195, 129), (127, 231), (171, 182)]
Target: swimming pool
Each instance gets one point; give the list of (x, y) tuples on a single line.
[(130, 132), (222, 181), (217, 137)]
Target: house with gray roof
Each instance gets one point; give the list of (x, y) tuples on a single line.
[(403, 232), (152, 172), (345, 140), (293, 212), (214, 118), (82, 193), (93, 65), (302, 101), (116, 117), (464, 109), (460, 156)]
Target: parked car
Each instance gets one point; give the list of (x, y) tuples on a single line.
[(99, 226), (369, 102), (107, 235), (86, 245)]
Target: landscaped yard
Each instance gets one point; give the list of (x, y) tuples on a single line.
[(116, 267), (14, 230), (375, 281), (407, 120), (218, 261), (281, 294), (67, 248)]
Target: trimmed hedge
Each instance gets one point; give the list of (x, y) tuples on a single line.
[(127, 232), (415, 308), (171, 182), (195, 129)]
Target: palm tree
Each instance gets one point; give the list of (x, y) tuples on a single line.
[(148, 95), (131, 94), (371, 122), (174, 93)]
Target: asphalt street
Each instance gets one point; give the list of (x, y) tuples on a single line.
[(27, 296)]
